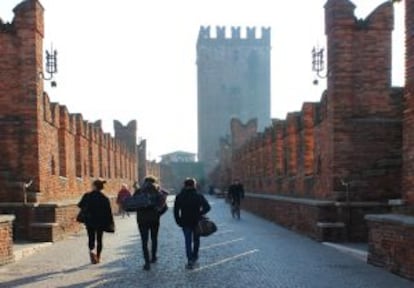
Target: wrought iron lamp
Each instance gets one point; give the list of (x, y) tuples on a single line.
[(318, 64), (51, 66)]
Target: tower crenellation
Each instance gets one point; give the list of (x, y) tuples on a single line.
[(205, 35), (235, 32), (251, 32)]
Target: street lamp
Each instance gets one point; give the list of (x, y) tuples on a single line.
[(318, 63), (51, 66)]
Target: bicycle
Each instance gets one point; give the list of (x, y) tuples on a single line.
[(235, 210)]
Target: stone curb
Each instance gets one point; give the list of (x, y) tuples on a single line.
[(357, 253), (21, 251)]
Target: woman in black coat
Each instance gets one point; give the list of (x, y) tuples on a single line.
[(98, 218)]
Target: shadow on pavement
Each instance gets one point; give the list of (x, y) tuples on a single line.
[(39, 277)]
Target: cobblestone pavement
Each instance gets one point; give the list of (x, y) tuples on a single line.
[(247, 253)]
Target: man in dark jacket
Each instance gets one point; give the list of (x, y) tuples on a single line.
[(148, 219), (236, 194), (189, 207)]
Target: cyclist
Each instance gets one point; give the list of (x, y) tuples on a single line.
[(235, 194)]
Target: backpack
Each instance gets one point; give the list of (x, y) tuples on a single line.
[(147, 196), (138, 201)]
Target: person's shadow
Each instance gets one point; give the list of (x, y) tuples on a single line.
[(40, 277)]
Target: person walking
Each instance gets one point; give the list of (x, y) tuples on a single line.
[(98, 218), (148, 219), (189, 207), (235, 195), (122, 195)]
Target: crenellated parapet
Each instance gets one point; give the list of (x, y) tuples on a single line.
[(251, 37), (279, 159)]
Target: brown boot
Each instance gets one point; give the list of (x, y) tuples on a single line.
[(93, 258)]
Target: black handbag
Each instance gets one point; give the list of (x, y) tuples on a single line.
[(205, 227), (163, 209), (82, 215), (83, 212), (110, 228)]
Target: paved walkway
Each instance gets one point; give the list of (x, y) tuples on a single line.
[(247, 253)]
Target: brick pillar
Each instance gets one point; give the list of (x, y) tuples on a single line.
[(279, 152), (408, 145), (268, 158), (308, 111), (292, 143), (359, 102), (20, 62), (142, 163), (80, 151), (6, 239), (63, 145)]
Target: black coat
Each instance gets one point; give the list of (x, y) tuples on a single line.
[(98, 210), (189, 206), (236, 193)]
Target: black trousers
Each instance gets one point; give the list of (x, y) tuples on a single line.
[(145, 230), (95, 235)]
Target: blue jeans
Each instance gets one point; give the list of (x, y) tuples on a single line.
[(192, 243)]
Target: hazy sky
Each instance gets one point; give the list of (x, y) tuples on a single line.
[(135, 59)]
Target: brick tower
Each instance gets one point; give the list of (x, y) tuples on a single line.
[(233, 82)]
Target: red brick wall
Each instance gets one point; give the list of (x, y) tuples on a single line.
[(222, 174), (282, 159), (391, 244), (305, 215), (74, 152), (6, 239), (408, 179), (301, 218)]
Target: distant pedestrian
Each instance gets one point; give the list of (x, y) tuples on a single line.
[(97, 218), (189, 208), (235, 195), (122, 195), (148, 219)]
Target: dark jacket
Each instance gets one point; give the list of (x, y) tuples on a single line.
[(98, 210), (236, 193), (150, 215), (189, 206)]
